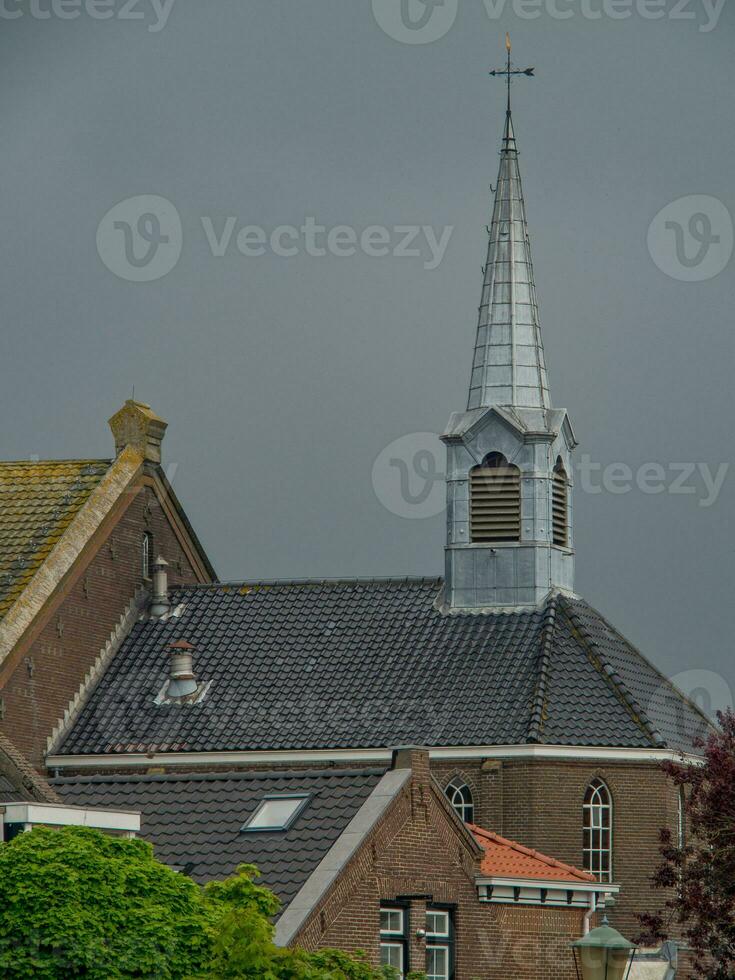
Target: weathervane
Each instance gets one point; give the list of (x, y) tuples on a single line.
[(509, 71)]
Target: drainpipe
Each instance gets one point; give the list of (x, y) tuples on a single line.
[(589, 913)]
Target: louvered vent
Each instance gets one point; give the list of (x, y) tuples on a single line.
[(495, 511), (559, 508)]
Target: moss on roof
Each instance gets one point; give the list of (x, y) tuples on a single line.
[(38, 501)]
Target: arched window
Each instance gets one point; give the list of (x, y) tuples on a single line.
[(495, 500), (598, 813), (560, 505), (460, 796), (146, 555), (681, 828)]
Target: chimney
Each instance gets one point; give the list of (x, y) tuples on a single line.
[(135, 425), (160, 605), (181, 680)]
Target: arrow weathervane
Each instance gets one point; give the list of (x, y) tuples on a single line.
[(509, 71)]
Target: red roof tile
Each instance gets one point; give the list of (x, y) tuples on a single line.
[(507, 859)]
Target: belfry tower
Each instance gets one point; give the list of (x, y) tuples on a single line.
[(509, 509)]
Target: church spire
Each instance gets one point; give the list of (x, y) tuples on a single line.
[(510, 539), (509, 368)]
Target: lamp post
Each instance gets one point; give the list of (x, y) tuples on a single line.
[(603, 955)]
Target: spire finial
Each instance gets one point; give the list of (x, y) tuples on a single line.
[(509, 71)]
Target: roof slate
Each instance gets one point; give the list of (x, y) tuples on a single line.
[(374, 664), (194, 820), (507, 859), (38, 501)]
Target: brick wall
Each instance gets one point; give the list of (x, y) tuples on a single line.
[(539, 803), (418, 849), (40, 686)]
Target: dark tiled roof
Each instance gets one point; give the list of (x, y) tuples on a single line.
[(38, 501), (373, 664), (194, 820), (11, 794)]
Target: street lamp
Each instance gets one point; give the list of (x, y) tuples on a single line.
[(603, 955)]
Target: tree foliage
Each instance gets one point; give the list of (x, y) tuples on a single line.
[(701, 873), (75, 903)]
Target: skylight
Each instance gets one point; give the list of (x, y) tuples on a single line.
[(277, 812)]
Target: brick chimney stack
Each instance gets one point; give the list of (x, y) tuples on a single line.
[(137, 426)]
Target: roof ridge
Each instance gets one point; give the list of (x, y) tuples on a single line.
[(538, 710), (267, 583), (198, 776), (639, 715), (29, 777), (529, 852), (47, 462), (613, 629)]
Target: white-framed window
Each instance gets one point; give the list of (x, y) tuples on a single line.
[(460, 796), (681, 828), (394, 938), (439, 944), (146, 555), (598, 830)]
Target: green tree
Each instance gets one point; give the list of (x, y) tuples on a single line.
[(76, 903)]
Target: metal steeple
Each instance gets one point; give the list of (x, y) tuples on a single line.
[(509, 368)]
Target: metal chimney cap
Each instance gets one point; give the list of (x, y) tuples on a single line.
[(181, 645), (160, 562)]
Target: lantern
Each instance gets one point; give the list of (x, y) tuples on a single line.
[(603, 955)]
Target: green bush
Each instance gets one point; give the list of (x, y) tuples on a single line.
[(76, 903)]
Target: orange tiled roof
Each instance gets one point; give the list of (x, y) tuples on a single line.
[(38, 501), (507, 859)]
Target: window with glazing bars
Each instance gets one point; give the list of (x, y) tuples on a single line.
[(394, 938), (460, 796), (439, 944), (598, 813)]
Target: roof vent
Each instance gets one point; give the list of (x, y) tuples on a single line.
[(160, 605), (181, 680)]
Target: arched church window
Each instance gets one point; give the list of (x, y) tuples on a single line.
[(146, 555), (495, 500), (560, 505), (681, 829), (598, 812), (460, 796)]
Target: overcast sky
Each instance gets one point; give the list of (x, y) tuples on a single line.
[(283, 378)]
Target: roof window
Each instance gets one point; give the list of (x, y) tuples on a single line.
[(277, 812)]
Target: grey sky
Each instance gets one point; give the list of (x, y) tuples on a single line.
[(284, 378)]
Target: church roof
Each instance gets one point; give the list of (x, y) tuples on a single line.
[(374, 664), (38, 501)]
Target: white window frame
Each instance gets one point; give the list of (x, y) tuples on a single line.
[(440, 940), (598, 818), (395, 938), (145, 554), (454, 792)]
